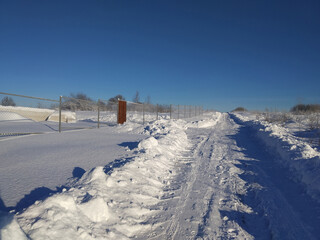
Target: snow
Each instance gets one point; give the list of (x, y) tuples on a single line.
[(10, 116), (10, 228), (216, 176), (11, 123), (66, 116), (28, 109), (117, 199), (48, 160), (302, 159)]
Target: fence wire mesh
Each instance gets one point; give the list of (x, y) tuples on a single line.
[(78, 113), (21, 114), (185, 111), (135, 112), (108, 111)]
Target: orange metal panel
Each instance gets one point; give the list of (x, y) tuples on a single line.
[(122, 112)]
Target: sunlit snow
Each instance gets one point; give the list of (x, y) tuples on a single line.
[(216, 176)]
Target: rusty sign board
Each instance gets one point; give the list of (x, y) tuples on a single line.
[(122, 111)]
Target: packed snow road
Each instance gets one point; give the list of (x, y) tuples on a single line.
[(230, 187)]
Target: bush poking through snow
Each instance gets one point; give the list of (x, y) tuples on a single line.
[(306, 108)]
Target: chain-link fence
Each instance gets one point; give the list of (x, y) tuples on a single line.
[(107, 112), (78, 113), (185, 111), (142, 113), (81, 113), (21, 114)]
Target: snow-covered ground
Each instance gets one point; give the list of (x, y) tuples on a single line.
[(216, 176)]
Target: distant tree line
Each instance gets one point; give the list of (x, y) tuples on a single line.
[(305, 108), (81, 102)]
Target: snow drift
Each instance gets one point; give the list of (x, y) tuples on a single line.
[(296, 155), (110, 202)]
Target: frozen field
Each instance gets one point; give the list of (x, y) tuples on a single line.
[(217, 176)]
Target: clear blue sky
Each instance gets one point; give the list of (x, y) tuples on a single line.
[(219, 54)]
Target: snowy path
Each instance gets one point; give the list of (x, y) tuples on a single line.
[(229, 187), (209, 178)]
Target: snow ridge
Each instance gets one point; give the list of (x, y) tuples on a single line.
[(302, 160), (116, 204)]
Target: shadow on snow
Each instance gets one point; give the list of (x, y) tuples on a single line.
[(267, 182)]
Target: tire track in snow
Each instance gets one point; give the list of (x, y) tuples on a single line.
[(287, 210), (226, 184), (180, 223), (227, 190), (194, 211)]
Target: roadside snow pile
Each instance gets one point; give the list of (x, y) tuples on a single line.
[(297, 155), (27, 109), (115, 201), (36, 114), (9, 228), (66, 116), (210, 120)]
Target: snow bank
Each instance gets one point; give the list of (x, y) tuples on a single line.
[(30, 109), (9, 228), (66, 116), (112, 202), (295, 154), (208, 120), (36, 114)]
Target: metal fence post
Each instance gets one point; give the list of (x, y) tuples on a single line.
[(98, 113), (178, 111), (143, 112), (60, 106), (157, 111)]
